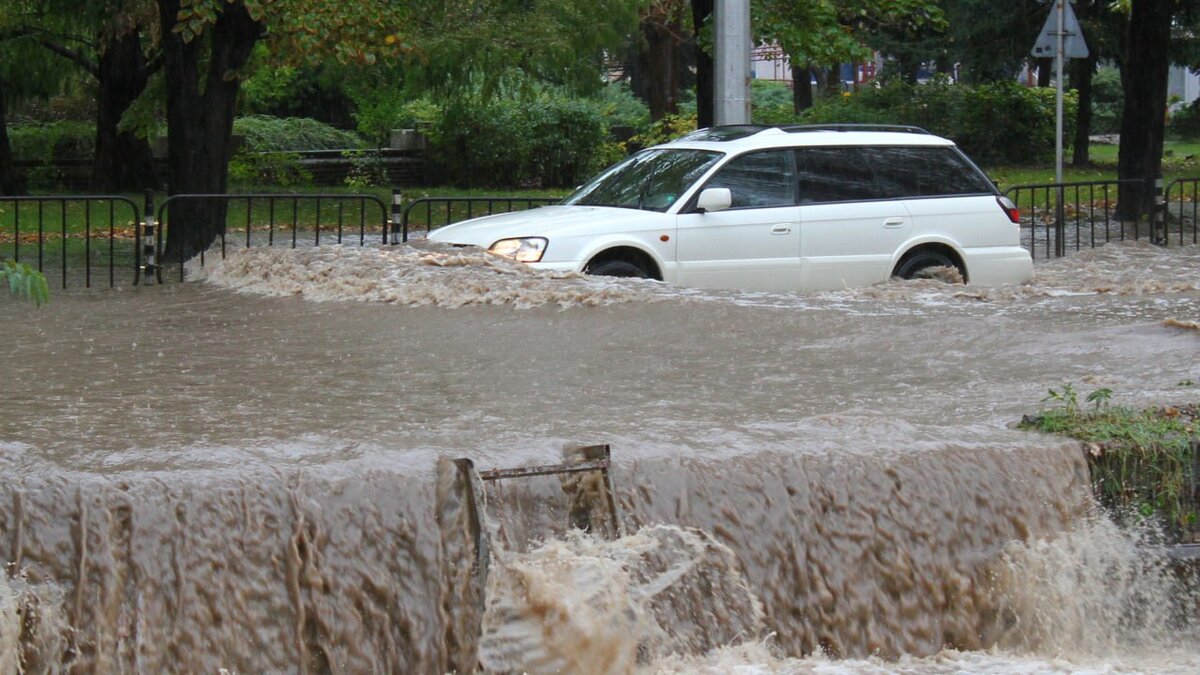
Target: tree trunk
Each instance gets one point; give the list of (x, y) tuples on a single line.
[(123, 162), (10, 183), (1144, 73), (202, 89), (1045, 72), (658, 67), (1081, 79), (802, 94), (705, 86), (833, 80)]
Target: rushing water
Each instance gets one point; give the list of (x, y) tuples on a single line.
[(241, 473)]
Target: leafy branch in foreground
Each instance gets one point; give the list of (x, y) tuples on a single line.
[(1141, 461), (26, 282)]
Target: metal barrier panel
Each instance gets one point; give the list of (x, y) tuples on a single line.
[(1057, 218), (1183, 211), (71, 237), (429, 213), (288, 219)]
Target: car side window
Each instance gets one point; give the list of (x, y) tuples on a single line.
[(897, 170), (758, 180), (834, 175)]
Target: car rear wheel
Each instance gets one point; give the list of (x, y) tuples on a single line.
[(616, 268), (926, 265)]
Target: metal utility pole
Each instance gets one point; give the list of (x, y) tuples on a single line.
[(1062, 37), (732, 90)]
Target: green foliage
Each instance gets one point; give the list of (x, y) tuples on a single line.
[(548, 140), (836, 32), (771, 103), (1185, 122), (25, 282), (621, 108), (366, 169), (1141, 461), (291, 134), (995, 123), (45, 144), (1108, 100), (65, 139), (664, 130), (380, 110), (250, 169)]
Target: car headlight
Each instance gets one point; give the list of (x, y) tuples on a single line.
[(524, 249)]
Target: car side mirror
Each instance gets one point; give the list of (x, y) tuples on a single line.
[(714, 199)]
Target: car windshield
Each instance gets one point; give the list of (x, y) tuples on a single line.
[(651, 180)]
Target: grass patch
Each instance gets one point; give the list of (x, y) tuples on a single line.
[(1141, 461), (1181, 159)]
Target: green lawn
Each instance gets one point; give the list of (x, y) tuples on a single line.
[(1181, 159)]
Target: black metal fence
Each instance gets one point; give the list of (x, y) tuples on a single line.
[(88, 240), (1057, 218), (429, 213), (1183, 211), (293, 220), (72, 240)]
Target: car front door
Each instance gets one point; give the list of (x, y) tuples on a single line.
[(755, 243)]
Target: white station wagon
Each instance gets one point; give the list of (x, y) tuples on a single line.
[(801, 208)]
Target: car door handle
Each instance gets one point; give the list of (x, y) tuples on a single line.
[(781, 228), (893, 222)]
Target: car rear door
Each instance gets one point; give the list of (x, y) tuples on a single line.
[(849, 227), (754, 244)]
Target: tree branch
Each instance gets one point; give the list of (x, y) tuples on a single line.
[(72, 55)]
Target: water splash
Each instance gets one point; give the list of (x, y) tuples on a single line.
[(585, 605), (1095, 591), (422, 274), (34, 634)]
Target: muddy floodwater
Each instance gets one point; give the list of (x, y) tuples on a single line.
[(241, 471)]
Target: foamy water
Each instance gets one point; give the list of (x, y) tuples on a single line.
[(246, 480), (417, 274), (426, 273)]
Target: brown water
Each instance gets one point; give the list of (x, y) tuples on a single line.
[(198, 478)]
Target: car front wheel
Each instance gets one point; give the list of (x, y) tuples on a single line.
[(616, 268)]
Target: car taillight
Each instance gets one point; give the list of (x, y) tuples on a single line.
[(1010, 209)]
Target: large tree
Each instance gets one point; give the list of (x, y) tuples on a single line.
[(831, 32), (10, 183), (449, 47), (103, 38), (1144, 71)]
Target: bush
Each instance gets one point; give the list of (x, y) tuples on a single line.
[(996, 123), (65, 139), (46, 143), (1185, 122), (622, 109), (771, 103), (252, 169), (549, 141), (1108, 101), (292, 134)]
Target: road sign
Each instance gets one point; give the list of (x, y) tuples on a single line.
[(1047, 43)]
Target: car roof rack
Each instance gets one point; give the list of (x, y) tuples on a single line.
[(903, 128), (725, 132)]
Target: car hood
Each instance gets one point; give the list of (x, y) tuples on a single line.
[(546, 221)]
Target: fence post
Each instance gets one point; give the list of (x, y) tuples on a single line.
[(147, 249), (397, 236), (1158, 217), (1060, 223)]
